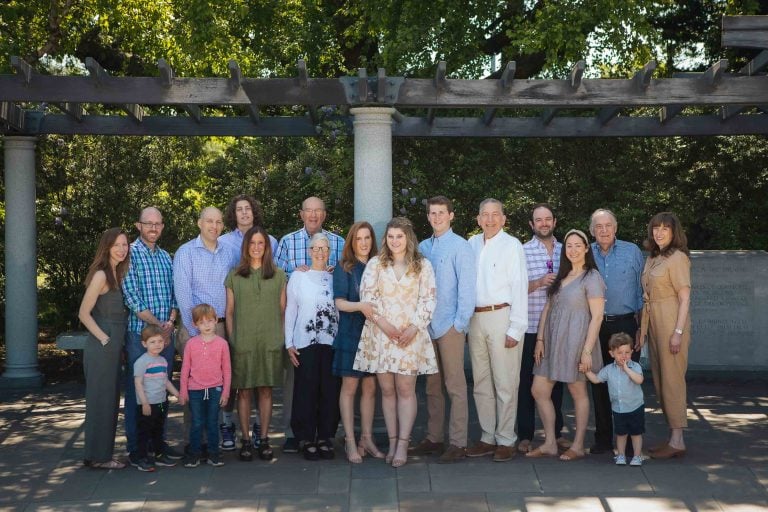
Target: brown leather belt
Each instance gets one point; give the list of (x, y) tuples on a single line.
[(483, 309)]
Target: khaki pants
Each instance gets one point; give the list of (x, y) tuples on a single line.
[(449, 350), (496, 372)]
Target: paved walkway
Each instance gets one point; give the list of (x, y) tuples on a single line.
[(41, 440)]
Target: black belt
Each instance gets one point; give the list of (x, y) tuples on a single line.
[(616, 318)]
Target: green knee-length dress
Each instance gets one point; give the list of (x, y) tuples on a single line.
[(258, 350)]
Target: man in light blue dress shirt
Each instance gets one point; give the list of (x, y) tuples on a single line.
[(455, 275), (620, 264)]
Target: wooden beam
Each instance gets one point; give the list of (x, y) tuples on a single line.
[(505, 82), (235, 75), (12, 116), (440, 81), (577, 73), (97, 73), (23, 69), (398, 116), (166, 72), (564, 126), (193, 111), (667, 112), (253, 113), (362, 85), (756, 65), (548, 114), (381, 86), (606, 114), (745, 31), (430, 115), (301, 65), (73, 110), (730, 111), (134, 111), (714, 74), (642, 78)]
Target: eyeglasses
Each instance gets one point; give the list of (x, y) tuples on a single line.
[(156, 225), (320, 249), (316, 211)]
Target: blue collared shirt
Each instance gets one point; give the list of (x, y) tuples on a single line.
[(235, 240), (148, 284), (292, 250), (455, 277), (626, 396), (198, 277), (621, 268)]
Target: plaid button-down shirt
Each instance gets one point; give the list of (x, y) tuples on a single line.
[(292, 250), (538, 262), (148, 284)]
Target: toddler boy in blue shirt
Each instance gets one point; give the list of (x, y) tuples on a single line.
[(624, 378)]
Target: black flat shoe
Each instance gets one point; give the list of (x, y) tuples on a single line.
[(326, 449), (310, 451)]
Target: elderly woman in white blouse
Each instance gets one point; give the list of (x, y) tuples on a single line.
[(311, 323)]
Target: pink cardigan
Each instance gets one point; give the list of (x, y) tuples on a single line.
[(205, 365)]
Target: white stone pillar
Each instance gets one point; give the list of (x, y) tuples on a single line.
[(21, 368), (373, 166)]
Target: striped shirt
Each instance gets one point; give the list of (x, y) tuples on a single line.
[(153, 371), (539, 263), (148, 285), (292, 250), (198, 278)]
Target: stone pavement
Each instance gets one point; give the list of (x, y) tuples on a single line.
[(726, 469)]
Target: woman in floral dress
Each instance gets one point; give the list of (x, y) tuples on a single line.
[(395, 344)]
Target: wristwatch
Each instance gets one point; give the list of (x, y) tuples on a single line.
[(678, 331)]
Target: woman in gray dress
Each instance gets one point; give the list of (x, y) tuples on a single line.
[(568, 330), (103, 313)]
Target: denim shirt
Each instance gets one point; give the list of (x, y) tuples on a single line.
[(621, 269)]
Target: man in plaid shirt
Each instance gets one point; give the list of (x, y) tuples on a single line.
[(292, 255), (148, 294)]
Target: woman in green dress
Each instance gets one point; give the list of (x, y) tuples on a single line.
[(254, 320)]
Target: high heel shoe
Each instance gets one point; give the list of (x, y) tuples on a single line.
[(367, 446), (353, 455), (398, 463), (388, 458)]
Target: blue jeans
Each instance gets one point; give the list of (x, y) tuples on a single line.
[(134, 350), (204, 410)]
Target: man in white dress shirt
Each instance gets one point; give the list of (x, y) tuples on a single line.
[(496, 331)]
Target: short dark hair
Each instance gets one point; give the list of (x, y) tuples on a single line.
[(542, 205), (619, 339), (440, 200), (150, 331), (230, 216)]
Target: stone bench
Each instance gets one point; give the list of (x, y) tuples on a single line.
[(71, 340)]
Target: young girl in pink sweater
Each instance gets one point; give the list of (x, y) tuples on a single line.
[(205, 381)]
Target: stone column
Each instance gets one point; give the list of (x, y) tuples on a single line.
[(21, 370), (373, 166)]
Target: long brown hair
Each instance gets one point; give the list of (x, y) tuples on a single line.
[(348, 258), (679, 241), (566, 266), (101, 260), (412, 255), (267, 265)]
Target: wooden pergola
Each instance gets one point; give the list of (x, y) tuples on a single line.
[(718, 101)]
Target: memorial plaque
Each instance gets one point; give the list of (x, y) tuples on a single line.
[(729, 310)]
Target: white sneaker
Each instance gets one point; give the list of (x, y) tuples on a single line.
[(621, 460), (637, 460)]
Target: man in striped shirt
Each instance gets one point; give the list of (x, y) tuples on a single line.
[(148, 294)]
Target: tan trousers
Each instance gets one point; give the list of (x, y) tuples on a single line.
[(496, 372), (669, 377), (182, 337), (449, 350)]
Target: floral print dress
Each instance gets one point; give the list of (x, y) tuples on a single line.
[(408, 300)]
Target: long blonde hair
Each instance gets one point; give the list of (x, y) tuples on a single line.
[(412, 255)]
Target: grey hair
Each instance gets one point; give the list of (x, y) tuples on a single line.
[(601, 211), (317, 237), (490, 200)]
